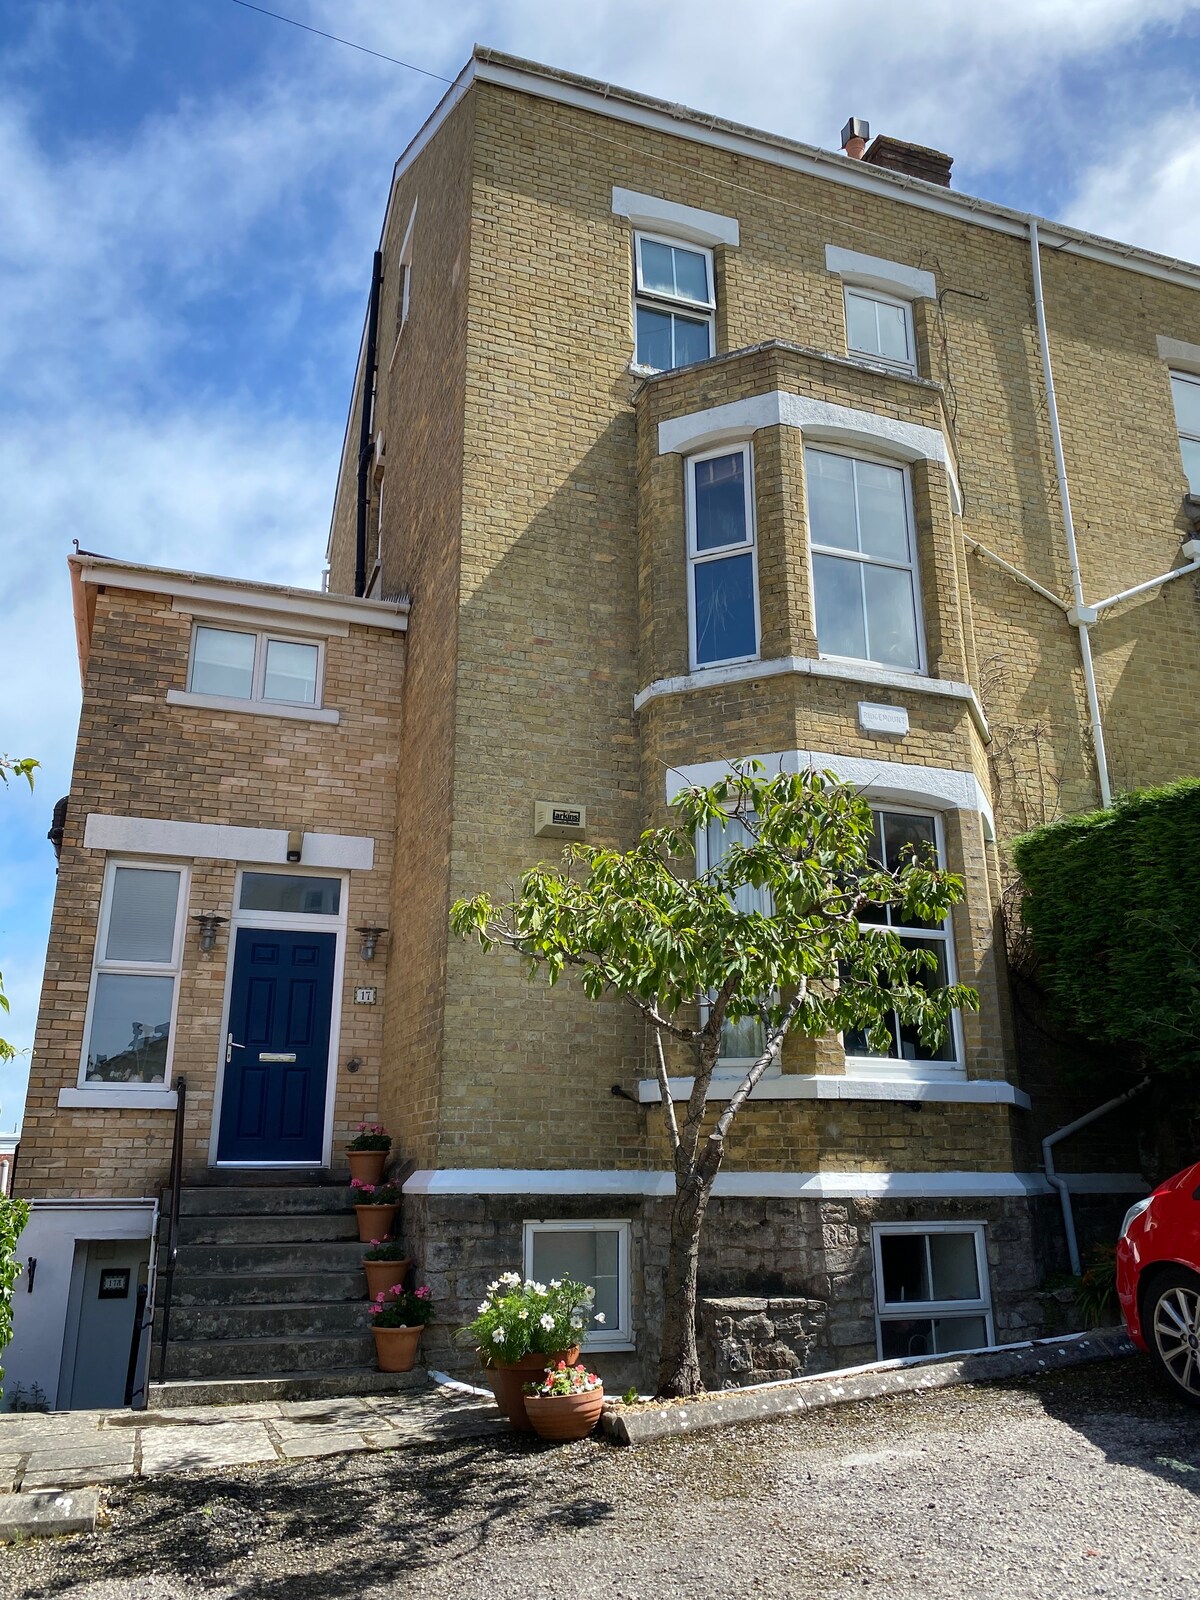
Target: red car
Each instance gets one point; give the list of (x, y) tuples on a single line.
[(1158, 1279)]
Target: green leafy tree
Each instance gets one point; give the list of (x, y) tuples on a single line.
[(14, 1214), (644, 926)]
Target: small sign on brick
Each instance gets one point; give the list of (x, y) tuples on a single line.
[(365, 997), (874, 718)]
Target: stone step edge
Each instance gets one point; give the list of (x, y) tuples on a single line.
[(724, 1408), (336, 1383)]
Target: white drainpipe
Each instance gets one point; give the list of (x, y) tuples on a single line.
[(1060, 1183), (1080, 616)]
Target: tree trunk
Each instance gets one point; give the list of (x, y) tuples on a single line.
[(679, 1364)]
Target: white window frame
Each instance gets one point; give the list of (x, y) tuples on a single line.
[(404, 265), (135, 969), (912, 1310), (913, 565), (1181, 433), (879, 298), (898, 1066), (655, 300), (698, 557), (262, 638), (728, 1066), (606, 1338)]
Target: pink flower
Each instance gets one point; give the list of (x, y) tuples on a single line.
[(379, 1298), (423, 1292)]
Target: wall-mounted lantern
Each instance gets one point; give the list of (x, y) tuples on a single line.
[(370, 938), (208, 923)]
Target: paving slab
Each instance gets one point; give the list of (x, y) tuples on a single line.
[(297, 1443), (8, 1472), (31, 1516), (103, 1451), (78, 1477), (227, 1444), (195, 1416), (332, 1413)]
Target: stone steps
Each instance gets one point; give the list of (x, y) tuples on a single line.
[(268, 1357), (278, 1320), (303, 1227), (332, 1384), (282, 1200), (235, 1260), (266, 1288)]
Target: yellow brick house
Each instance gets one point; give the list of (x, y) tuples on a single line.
[(674, 442)]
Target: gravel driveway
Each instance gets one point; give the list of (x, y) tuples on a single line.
[(1084, 1483)]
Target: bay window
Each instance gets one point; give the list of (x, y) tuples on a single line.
[(722, 558)]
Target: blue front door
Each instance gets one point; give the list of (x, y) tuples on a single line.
[(277, 1048)]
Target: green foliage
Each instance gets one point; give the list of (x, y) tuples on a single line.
[(14, 1214), (398, 1307), (370, 1136), (1096, 1295), (518, 1318), (1110, 904), (385, 1250), (639, 924)]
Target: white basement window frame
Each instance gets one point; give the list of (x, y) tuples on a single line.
[(616, 1332), (854, 565), (879, 327), (687, 305), (941, 1323), (862, 1063), (262, 643), (117, 957), (1185, 393), (708, 550)]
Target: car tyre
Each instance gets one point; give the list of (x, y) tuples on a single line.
[(1171, 1326)]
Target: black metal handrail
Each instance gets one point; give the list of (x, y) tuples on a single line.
[(174, 1183)]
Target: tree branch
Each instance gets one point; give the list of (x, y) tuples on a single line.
[(664, 1084)]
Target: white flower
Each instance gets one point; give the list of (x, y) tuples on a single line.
[(577, 1323), (599, 1317), (589, 1294), (546, 1320), (555, 1283), (493, 1286), (523, 1315), (483, 1305), (536, 1288), (508, 1277), (498, 1336)]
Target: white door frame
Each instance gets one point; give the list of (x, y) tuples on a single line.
[(286, 922)]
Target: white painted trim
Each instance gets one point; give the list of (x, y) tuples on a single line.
[(808, 666), (119, 1098), (276, 599), (793, 1086), (681, 122), (218, 841), (246, 618), (871, 272), (766, 1185), (943, 788), (1177, 353), (253, 708), (816, 420), (687, 223)]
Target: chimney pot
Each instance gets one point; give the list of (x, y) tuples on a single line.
[(854, 137)]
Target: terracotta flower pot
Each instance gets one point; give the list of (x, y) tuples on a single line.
[(562, 1417), (508, 1380), (367, 1165), (381, 1275), (396, 1348), (375, 1222)]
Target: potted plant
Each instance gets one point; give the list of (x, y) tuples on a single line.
[(524, 1327), (566, 1404), (368, 1151), (384, 1264), (376, 1205), (397, 1320)]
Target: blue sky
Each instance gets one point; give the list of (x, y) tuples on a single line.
[(189, 197)]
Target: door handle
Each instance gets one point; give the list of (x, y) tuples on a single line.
[(230, 1047)]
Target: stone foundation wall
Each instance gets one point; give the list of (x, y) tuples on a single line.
[(802, 1254)]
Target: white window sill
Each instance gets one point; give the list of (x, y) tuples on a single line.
[(119, 1098), (624, 1348), (794, 1086), (254, 708)]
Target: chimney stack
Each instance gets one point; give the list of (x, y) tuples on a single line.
[(854, 137)]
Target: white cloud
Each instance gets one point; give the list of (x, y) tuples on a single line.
[(1143, 188)]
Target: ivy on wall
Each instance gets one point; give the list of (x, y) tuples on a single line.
[(14, 1214), (1111, 904)]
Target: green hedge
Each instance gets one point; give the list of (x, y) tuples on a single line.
[(1112, 905)]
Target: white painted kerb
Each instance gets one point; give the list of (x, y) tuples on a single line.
[(152, 836)]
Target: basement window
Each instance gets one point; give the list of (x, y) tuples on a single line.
[(594, 1253), (230, 665), (931, 1289)]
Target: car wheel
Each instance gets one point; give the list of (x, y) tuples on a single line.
[(1171, 1324)]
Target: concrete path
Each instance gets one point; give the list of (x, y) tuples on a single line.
[(69, 1449)]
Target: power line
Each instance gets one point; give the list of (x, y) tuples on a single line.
[(395, 60)]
